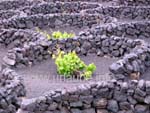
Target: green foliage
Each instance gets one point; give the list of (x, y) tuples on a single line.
[(69, 64), (56, 34), (59, 35)]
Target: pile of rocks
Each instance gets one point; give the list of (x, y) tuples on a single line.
[(123, 12), (101, 97), (11, 89)]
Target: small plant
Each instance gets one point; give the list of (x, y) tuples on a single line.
[(56, 34), (69, 64), (59, 35)]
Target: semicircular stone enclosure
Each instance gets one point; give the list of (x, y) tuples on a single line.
[(112, 35)]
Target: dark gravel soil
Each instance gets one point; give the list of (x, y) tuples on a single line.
[(43, 77)]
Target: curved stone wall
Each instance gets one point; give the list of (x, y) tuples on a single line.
[(120, 2), (78, 0), (123, 12), (34, 51), (135, 2), (14, 4), (110, 37), (102, 97), (11, 89), (18, 37), (133, 30), (134, 63), (59, 7), (56, 20), (9, 14)]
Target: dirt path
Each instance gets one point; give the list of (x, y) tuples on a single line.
[(43, 77)]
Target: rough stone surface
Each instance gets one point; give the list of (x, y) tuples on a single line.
[(99, 104)]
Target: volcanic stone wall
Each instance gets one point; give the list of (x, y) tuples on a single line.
[(8, 14), (135, 2), (102, 97), (123, 12), (15, 4), (135, 62), (120, 2), (134, 30), (59, 7), (78, 0), (55, 20), (18, 37), (31, 52), (11, 89)]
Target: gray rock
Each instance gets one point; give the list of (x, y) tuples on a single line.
[(100, 53), (89, 111), (141, 84), (76, 111), (125, 106), (115, 53), (58, 22), (102, 111), (147, 99), (140, 109), (119, 76), (120, 96), (113, 106), (148, 87), (116, 68), (3, 104), (132, 100), (28, 104), (64, 110), (86, 45), (100, 103), (9, 61), (140, 92), (76, 104), (53, 106)]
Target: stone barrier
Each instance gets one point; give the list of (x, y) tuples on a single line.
[(102, 97), (11, 89)]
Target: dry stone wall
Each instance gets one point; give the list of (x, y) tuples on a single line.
[(9, 14), (102, 97), (119, 2), (59, 7), (123, 12), (17, 38), (110, 37), (134, 30), (15, 4), (32, 51), (135, 62), (11, 88), (56, 20), (135, 2)]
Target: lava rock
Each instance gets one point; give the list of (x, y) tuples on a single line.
[(113, 106)]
